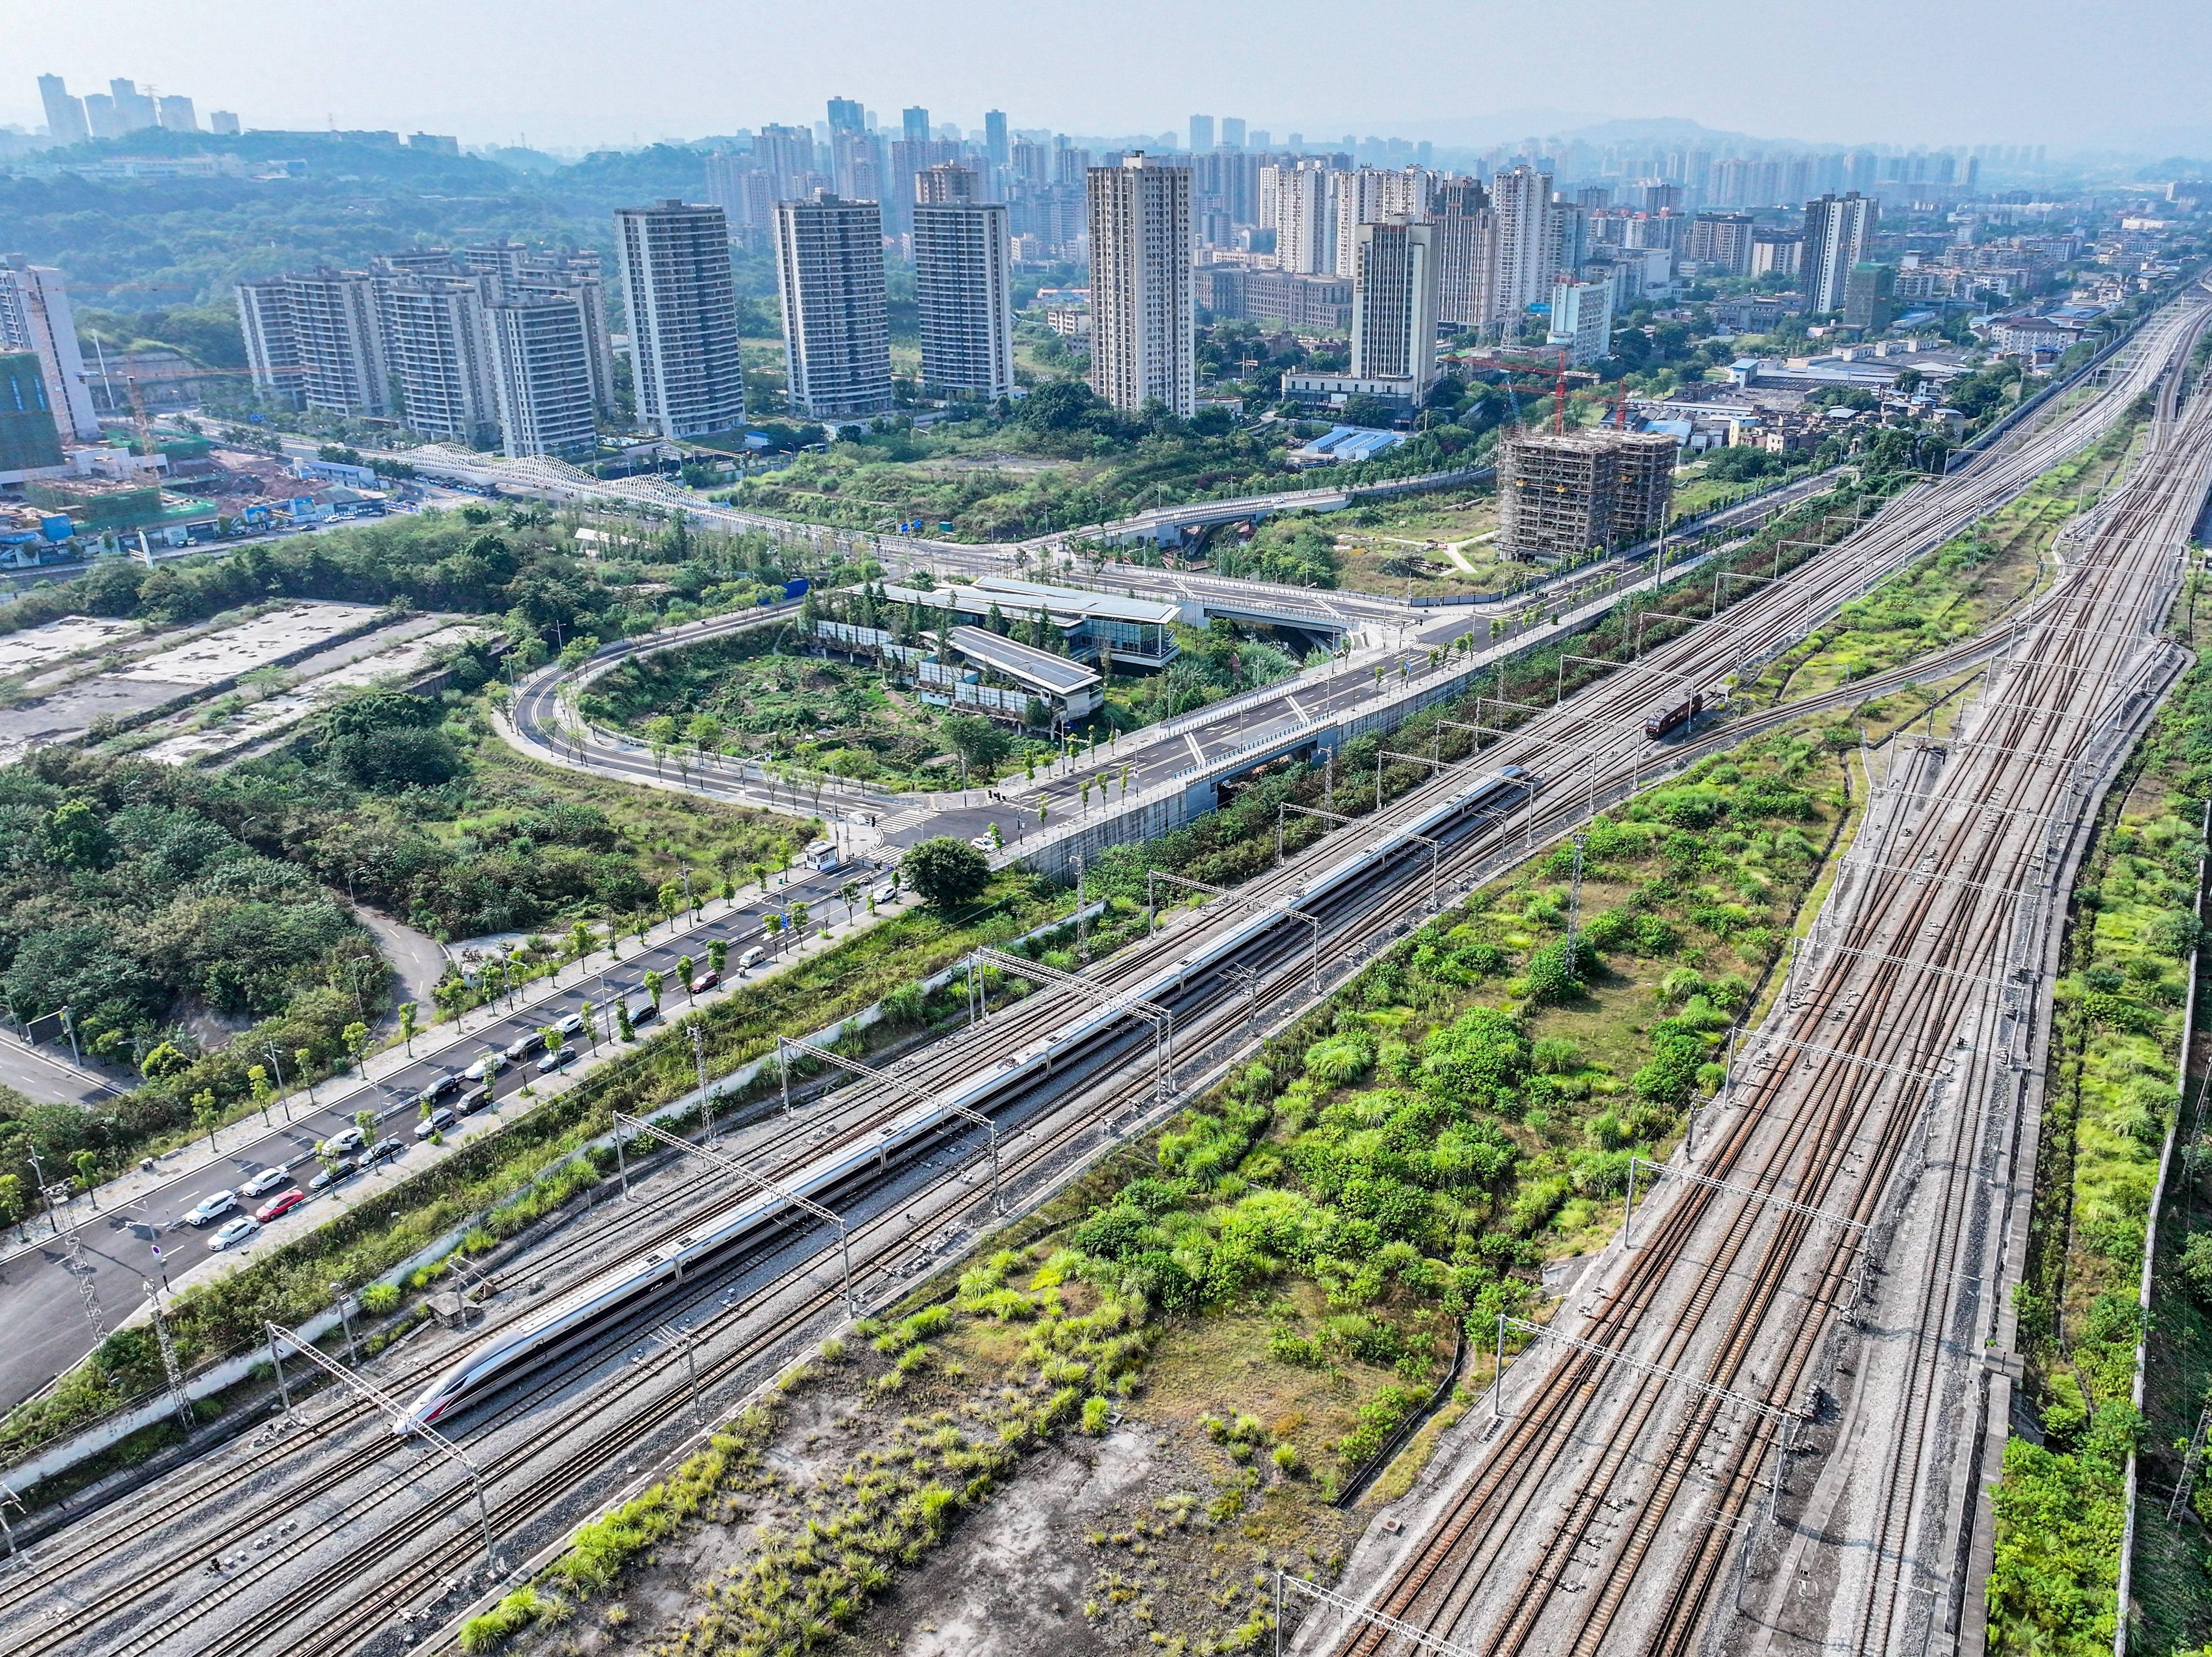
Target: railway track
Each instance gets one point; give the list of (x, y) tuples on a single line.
[(1631, 1480), (333, 1594)]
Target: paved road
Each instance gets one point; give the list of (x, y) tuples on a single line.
[(44, 1073), (39, 1298)]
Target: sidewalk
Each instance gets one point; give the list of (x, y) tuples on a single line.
[(340, 1092)]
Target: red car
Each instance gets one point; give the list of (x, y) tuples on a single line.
[(280, 1204), (705, 982)]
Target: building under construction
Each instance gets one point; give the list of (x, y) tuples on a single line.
[(1562, 496)]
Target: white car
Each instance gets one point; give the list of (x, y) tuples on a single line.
[(886, 893), (236, 1232), (982, 843), (343, 1143), (751, 958), (213, 1207), (485, 1068), (572, 1025), (265, 1181)]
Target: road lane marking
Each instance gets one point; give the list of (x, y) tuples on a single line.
[(1196, 752)]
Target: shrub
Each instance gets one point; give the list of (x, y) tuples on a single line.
[(380, 1297), (1338, 1059)]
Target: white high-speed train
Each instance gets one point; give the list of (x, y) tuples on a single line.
[(572, 1317)]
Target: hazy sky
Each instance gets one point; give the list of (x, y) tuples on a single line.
[(590, 72)]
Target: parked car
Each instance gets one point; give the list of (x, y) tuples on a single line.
[(485, 1068), (337, 1170), (263, 1182), (521, 1046), (436, 1122), (236, 1232), (212, 1207), (445, 1082), (886, 893), (281, 1204), (342, 1142), (982, 843), (473, 1101), (644, 1015), (559, 1058), (572, 1025), (384, 1151), (705, 982), (751, 958)]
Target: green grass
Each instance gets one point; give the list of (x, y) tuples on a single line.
[(2060, 1505)]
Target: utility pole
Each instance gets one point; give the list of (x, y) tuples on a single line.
[(1575, 903), (168, 1357), (81, 1269), (699, 1061)]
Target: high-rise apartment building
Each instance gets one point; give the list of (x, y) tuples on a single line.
[(1776, 252), (272, 346), (65, 122), (745, 192), (914, 126), (174, 113), (438, 350), (1295, 205), (846, 115), (1721, 240), (134, 110), (1201, 134), (686, 370), (1838, 234), (1526, 249), (994, 136), (786, 154), (1582, 318), (947, 181), (339, 334), (963, 290), (1232, 131), (1143, 312), (542, 372), (224, 122), (836, 335), (576, 278), (35, 316), (1393, 303), (1465, 247), (100, 117)]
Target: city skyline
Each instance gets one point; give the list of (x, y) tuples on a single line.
[(569, 81)]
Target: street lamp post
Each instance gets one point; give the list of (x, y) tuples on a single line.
[(345, 1317)]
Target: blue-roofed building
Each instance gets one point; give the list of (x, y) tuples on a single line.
[(1346, 445)]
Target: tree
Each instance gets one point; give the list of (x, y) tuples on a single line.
[(977, 742), (205, 1115), (799, 922), (622, 1021), (13, 1205), (164, 1059), (705, 732), (773, 925), (945, 871), (257, 1081), (591, 1029), (87, 1163), (652, 983), (550, 1038), (759, 873), (305, 1060), (356, 1037), (683, 971), (408, 1012), (718, 951), (580, 941), (848, 893)]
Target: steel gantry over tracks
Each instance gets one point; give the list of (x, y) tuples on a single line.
[(786, 1045), (1162, 1020)]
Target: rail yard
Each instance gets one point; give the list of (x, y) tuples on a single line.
[(1859, 1173), (1766, 1420)]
